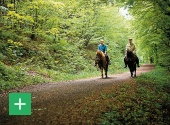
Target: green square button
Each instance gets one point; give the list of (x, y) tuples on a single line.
[(19, 103)]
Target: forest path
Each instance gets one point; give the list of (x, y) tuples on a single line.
[(56, 103)]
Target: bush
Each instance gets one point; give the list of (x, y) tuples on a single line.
[(13, 77)]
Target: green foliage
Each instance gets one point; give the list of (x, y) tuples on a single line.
[(149, 104), (61, 36), (13, 77), (158, 79), (151, 29)]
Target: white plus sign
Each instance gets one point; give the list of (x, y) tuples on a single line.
[(19, 103)]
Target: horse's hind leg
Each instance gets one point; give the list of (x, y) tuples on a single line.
[(135, 73), (101, 72), (131, 74), (106, 72)]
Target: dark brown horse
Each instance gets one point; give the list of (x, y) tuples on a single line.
[(131, 62), (101, 62)]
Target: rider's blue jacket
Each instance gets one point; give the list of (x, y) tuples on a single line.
[(102, 48)]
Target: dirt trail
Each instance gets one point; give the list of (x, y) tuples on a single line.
[(52, 103)]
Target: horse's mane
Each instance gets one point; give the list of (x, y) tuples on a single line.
[(100, 53), (129, 54)]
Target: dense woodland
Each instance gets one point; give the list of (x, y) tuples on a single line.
[(53, 40)]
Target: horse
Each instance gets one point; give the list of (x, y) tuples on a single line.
[(131, 62), (101, 61)]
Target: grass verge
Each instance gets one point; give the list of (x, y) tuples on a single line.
[(146, 103), (21, 75)]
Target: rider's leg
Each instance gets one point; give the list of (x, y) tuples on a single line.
[(125, 61), (137, 61), (108, 59)]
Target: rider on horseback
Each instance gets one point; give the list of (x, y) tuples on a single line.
[(131, 47), (102, 47)]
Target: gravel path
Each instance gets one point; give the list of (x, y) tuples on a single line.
[(52, 99)]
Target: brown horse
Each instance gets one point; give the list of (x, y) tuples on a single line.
[(101, 62)]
